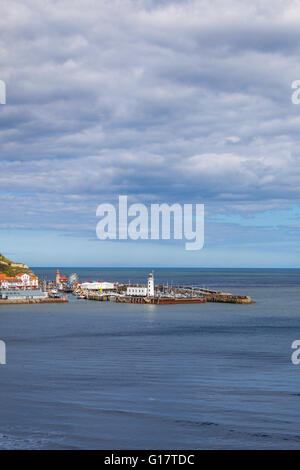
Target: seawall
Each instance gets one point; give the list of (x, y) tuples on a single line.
[(222, 298), (230, 299)]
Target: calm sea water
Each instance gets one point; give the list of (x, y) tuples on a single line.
[(108, 376)]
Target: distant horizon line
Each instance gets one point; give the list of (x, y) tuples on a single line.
[(162, 267)]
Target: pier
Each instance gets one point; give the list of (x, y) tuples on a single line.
[(221, 298)]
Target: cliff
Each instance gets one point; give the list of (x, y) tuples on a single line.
[(11, 268)]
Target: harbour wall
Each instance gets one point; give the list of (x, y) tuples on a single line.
[(230, 299), (185, 300), (48, 300)]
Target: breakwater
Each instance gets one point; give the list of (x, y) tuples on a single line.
[(222, 298), (208, 296), (230, 299)]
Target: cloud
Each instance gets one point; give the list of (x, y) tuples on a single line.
[(233, 139), (162, 100)]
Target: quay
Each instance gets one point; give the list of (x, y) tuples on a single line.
[(100, 298), (29, 296), (46, 300)]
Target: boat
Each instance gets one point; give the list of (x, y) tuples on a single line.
[(80, 296)]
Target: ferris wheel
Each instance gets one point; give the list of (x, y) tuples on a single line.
[(73, 278)]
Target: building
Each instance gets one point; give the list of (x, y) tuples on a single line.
[(150, 291), (20, 281), (98, 286), (19, 294), (139, 291), (143, 291), (60, 281)]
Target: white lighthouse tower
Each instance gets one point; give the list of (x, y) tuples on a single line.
[(150, 288)]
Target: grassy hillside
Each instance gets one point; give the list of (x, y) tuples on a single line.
[(11, 268)]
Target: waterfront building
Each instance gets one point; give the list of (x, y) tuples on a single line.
[(22, 294), (60, 281), (20, 281), (98, 286), (150, 291), (139, 291), (143, 291)]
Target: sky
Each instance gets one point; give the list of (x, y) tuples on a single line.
[(185, 101)]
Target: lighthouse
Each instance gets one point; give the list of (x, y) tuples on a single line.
[(57, 278), (150, 287)]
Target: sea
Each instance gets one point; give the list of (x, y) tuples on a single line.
[(103, 375)]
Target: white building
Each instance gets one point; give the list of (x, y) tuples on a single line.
[(20, 281), (27, 281), (143, 291), (99, 286), (139, 291)]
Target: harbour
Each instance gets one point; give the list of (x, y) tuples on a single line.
[(129, 375), (149, 293), (19, 284), (28, 288)]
